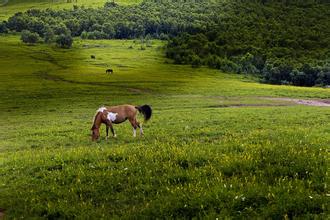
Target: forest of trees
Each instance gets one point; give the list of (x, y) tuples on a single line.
[(283, 42)]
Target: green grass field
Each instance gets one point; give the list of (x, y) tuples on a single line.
[(214, 148), (14, 6)]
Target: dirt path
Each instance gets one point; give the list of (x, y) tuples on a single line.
[(310, 102)]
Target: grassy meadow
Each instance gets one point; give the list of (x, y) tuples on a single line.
[(14, 6), (214, 147)]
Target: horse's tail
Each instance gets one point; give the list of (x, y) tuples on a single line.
[(145, 110)]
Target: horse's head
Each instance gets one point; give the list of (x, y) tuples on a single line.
[(95, 133)]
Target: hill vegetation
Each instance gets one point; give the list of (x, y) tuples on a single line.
[(283, 43), (9, 7), (218, 146)]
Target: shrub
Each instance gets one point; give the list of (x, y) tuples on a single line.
[(64, 41), (109, 5), (228, 65), (49, 35), (29, 37), (3, 27), (18, 22), (195, 61), (323, 77)]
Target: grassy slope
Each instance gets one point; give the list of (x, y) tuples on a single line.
[(20, 5), (195, 158)]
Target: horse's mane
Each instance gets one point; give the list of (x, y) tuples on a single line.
[(100, 110), (94, 118)]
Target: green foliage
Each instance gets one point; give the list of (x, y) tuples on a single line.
[(273, 39), (49, 35), (110, 4), (64, 40), (122, 22), (29, 37), (3, 27), (231, 36)]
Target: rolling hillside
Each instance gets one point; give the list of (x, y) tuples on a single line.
[(218, 145), (14, 6)]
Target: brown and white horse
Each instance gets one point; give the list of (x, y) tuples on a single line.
[(118, 114), (110, 71)]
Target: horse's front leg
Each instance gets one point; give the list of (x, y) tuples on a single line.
[(135, 124), (109, 125), (113, 132), (107, 131), (141, 130)]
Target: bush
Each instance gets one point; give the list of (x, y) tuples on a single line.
[(94, 35), (3, 27), (49, 35), (278, 73), (228, 65), (61, 29), (64, 41), (246, 64), (195, 61), (110, 5), (37, 26), (18, 22), (323, 77), (29, 37)]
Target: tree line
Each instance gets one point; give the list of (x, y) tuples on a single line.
[(284, 42), (157, 20)]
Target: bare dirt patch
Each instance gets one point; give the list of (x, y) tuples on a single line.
[(310, 102), (246, 105)]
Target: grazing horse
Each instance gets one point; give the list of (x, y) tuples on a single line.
[(92, 57), (118, 114), (110, 71)]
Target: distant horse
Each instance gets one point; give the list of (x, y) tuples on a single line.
[(116, 115), (110, 71), (92, 56)]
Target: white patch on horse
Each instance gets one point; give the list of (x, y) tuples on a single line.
[(112, 116), (102, 109)]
